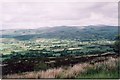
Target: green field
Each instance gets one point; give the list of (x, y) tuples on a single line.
[(54, 47)]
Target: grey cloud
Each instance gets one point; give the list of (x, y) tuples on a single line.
[(58, 13)]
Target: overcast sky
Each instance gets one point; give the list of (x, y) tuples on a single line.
[(49, 14)]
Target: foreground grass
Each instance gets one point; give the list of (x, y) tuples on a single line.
[(106, 69), (100, 74)]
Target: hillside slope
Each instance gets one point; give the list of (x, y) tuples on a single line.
[(64, 32)]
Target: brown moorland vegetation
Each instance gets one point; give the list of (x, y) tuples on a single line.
[(75, 71)]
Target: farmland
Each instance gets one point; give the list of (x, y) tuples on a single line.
[(53, 52), (38, 51), (53, 47)]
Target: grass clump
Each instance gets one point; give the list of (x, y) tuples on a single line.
[(108, 69)]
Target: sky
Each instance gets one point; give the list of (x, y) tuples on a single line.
[(29, 15)]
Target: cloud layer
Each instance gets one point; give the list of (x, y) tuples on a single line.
[(41, 14)]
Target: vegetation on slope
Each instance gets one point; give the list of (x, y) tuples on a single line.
[(105, 69), (65, 32)]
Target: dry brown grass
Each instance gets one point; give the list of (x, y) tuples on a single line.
[(50, 73), (109, 64), (72, 72), (69, 72)]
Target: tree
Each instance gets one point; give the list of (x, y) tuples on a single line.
[(117, 44)]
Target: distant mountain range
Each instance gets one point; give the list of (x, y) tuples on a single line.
[(91, 32)]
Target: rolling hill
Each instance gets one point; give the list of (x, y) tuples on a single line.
[(85, 33)]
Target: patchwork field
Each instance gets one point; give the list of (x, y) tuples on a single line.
[(84, 53)]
